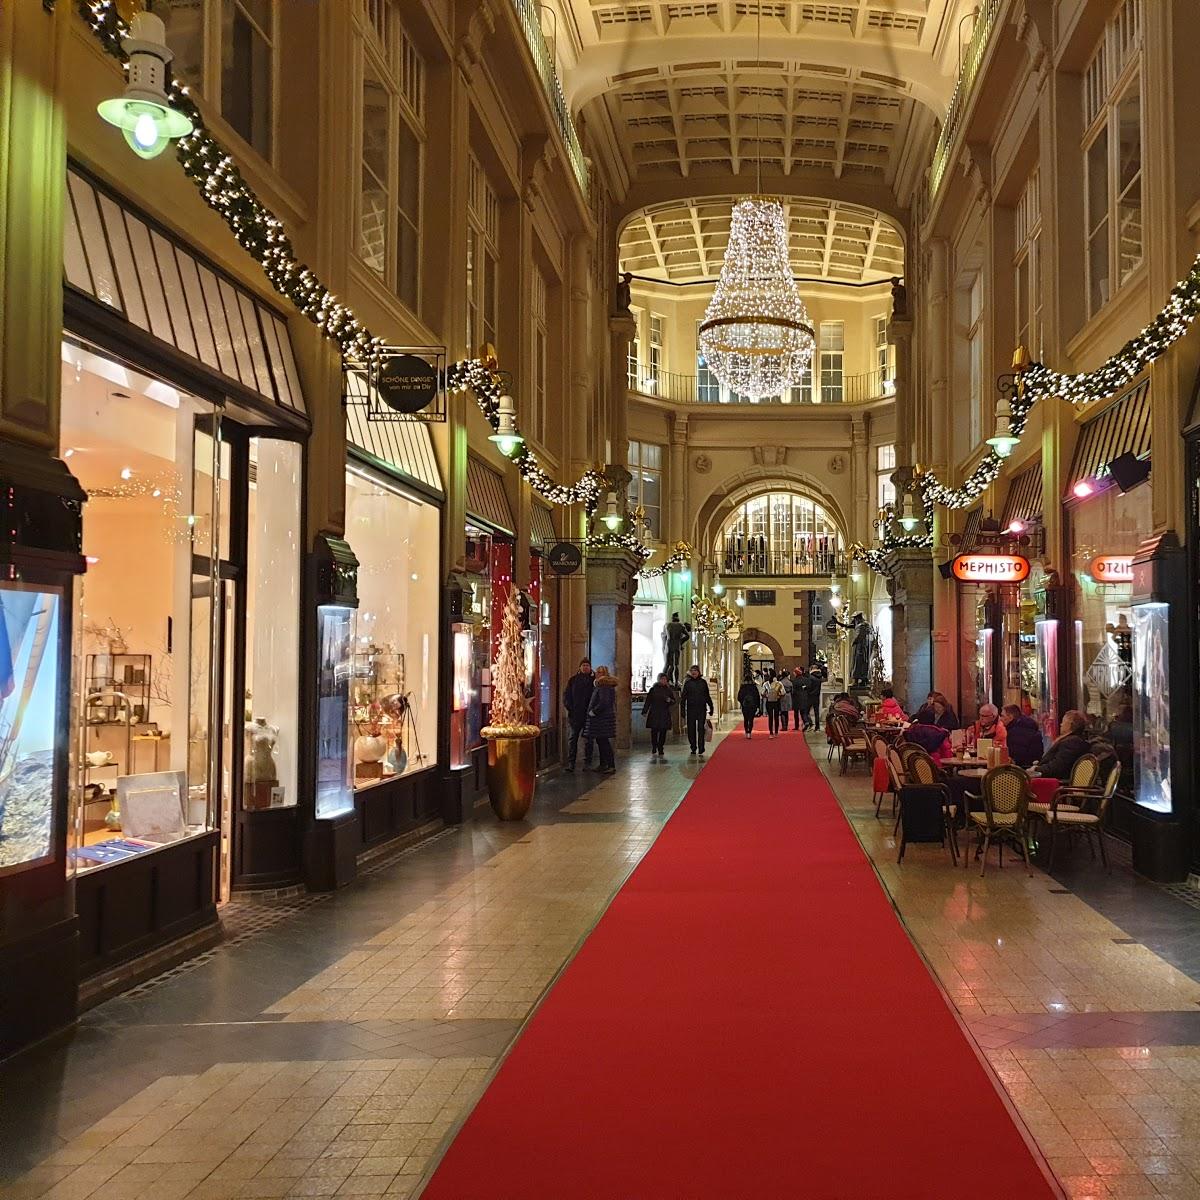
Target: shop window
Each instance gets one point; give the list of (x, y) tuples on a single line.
[(885, 464), (392, 140), (645, 486), (483, 257), (760, 598), (780, 533), (1112, 157), (393, 702), (832, 350), (227, 49), (146, 683)]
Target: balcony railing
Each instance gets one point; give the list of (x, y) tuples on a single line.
[(682, 389), (972, 60), (781, 563), (529, 14)]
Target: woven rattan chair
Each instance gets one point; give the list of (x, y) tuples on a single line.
[(1081, 786), (924, 783), (1086, 819), (1005, 815), (854, 746)]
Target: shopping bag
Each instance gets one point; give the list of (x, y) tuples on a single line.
[(708, 729)]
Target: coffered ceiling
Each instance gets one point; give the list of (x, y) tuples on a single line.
[(684, 242)]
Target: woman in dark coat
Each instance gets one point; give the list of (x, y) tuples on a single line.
[(602, 719), (750, 702), (660, 699)]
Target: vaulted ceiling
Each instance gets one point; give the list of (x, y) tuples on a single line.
[(699, 98)]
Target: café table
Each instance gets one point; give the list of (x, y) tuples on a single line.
[(962, 764)]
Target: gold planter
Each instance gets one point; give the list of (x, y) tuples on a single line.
[(512, 774)]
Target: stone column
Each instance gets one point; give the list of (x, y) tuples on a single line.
[(677, 481), (622, 330), (900, 331), (611, 586), (912, 635)]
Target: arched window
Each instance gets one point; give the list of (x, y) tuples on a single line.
[(780, 533)]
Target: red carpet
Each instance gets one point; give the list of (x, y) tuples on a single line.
[(748, 1019)]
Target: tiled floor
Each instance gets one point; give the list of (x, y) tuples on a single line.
[(333, 1052), (1095, 1036)]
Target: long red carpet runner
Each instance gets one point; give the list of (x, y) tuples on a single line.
[(747, 1020)]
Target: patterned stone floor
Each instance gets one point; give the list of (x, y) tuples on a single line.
[(1095, 1035), (334, 1052)]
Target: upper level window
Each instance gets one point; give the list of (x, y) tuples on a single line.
[(832, 347), (780, 533), (645, 486), (1112, 156), (883, 357), (885, 464), (654, 359), (483, 257), (227, 50), (391, 150), (1027, 292), (633, 364)]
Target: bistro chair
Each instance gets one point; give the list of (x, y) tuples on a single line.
[(1005, 815), (926, 808), (881, 774), (1087, 818), (1081, 785), (853, 745)]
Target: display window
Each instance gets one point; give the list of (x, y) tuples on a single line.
[(148, 456), (649, 653), (393, 702), (1106, 526)]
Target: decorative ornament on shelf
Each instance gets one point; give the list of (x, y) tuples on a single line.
[(756, 336), (508, 715)]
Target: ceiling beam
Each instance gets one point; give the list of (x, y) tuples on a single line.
[(701, 250), (870, 254), (658, 254), (830, 226)]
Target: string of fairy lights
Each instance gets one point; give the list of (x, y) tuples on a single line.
[(263, 236)]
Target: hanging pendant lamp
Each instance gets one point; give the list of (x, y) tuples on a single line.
[(756, 336)]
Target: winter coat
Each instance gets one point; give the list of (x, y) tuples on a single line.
[(749, 700), (998, 733), (695, 697), (1057, 762), (931, 738), (891, 709), (809, 687), (1024, 741), (602, 710), (926, 716), (577, 697), (660, 699), (785, 702)]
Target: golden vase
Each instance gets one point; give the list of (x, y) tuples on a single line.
[(512, 774)]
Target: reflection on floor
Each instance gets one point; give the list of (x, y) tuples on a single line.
[(1095, 1036)]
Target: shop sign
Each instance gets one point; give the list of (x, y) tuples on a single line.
[(990, 568), (565, 558), (406, 383), (1112, 568)]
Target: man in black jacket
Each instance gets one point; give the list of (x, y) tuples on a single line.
[(808, 688), (576, 698), (697, 704)]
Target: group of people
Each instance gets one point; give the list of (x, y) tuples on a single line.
[(780, 693), (590, 701)]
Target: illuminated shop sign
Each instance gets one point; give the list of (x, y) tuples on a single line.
[(1112, 568), (990, 568)]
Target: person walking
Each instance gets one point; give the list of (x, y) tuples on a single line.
[(810, 697), (750, 702), (601, 721), (576, 698), (785, 701), (660, 699), (798, 690), (773, 694), (697, 705)]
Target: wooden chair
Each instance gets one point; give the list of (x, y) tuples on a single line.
[(853, 746), (1005, 815), (1087, 818), (924, 788), (879, 748)]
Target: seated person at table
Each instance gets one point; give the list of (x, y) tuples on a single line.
[(1022, 736), (844, 705), (989, 725), (943, 715), (934, 740), (1070, 746), (925, 714), (890, 709)]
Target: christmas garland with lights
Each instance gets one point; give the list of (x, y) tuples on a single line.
[(682, 553), (263, 236)]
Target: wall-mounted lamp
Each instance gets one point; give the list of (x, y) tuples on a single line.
[(612, 515), (508, 440)]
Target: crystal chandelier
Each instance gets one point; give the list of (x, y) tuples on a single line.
[(756, 336)]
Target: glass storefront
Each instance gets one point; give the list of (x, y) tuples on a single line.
[(1107, 526), (148, 649), (780, 533), (393, 710)]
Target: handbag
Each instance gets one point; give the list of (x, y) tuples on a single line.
[(708, 728)]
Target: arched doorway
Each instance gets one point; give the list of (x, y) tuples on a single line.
[(780, 533), (760, 651)]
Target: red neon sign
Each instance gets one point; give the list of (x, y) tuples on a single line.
[(990, 568), (1112, 568)]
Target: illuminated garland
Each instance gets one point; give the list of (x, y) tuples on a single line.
[(889, 541), (682, 553), (263, 236), (712, 617)]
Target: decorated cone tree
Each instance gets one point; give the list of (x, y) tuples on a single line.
[(509, 715)]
